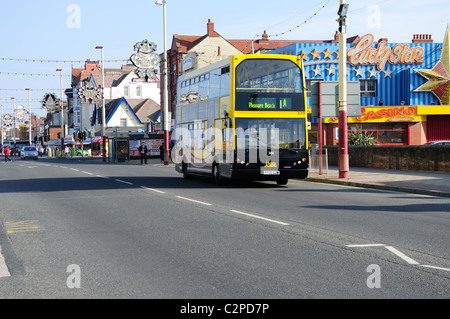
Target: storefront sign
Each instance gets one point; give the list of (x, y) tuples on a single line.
[(363, 54), (391, 114), (387, 114)]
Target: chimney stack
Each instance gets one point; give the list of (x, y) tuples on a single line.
[(210, 29), (422, 38)]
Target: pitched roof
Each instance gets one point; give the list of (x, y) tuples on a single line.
[(184, 43), (90, 67), (111, 107), (147, 110)]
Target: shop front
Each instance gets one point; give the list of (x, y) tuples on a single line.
[(397, 125)]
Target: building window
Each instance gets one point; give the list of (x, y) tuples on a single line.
[(384, 133), (123, 122), (126, 91), (139, 91), (368, 88)]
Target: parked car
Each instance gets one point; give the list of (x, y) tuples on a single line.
[(29, 152), (437, 143)]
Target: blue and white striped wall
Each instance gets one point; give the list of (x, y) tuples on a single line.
[(393, 87)]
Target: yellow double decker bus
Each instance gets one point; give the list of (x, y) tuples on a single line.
[(244, 117)]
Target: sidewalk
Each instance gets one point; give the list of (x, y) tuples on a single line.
[(418, 182)]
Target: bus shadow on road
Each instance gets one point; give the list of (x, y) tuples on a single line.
[(412, 208)]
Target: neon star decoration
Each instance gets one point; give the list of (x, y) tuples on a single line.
[(304, 55), (317, 71), (388, 73), (316, 54), (327, 54), (359, 71), (331, 70), (439, 76), (373, 72)]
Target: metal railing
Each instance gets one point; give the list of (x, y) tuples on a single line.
[(318, 161)]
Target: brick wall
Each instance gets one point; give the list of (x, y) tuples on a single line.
[(428, 158)]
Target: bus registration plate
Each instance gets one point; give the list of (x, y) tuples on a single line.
[(269, 171)]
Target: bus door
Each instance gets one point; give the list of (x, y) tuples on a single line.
[(223, 142)]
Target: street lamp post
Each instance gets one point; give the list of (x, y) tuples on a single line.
[(343, 129), (14, 126), (29, 107), (166, 118), (63, 133), (3, 138), (103, 105)]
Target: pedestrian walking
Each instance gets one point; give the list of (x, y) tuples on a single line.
[(7, 154), (143, 151), (66, 151)]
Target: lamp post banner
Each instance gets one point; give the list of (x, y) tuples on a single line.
[(145, 60)]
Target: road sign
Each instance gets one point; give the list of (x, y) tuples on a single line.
[(330, 99)]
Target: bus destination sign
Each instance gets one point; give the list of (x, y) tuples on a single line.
[(265, 103)]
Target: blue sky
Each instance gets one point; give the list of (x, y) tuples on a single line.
[(70, 30)]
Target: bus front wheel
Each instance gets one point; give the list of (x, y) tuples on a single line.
[(216, 174), (185, 172)]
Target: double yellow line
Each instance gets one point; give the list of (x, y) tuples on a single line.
[(23, 226)]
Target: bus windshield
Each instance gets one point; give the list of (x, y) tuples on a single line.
[(270, 133), (269, 85)]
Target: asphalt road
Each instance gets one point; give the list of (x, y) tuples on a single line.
[(81, 229)]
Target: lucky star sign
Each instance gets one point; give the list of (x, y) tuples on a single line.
[(439, 76)]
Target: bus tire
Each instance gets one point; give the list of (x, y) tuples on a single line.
[(282, 181), (216, 174), (185, 172)]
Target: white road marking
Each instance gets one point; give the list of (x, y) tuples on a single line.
[(402, 255), (434, 267), (4, 272), (391, 249), (259, 217), (102, 176), (124, 182), (195, 201), (74, 169), (365, 245), (153, 190), (87, 173)]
